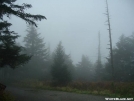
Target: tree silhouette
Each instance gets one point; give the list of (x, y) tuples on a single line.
[(35, 47), (9, 52), (60, 72)]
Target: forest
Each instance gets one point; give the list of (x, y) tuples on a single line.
[(32, 63), (58, 66)]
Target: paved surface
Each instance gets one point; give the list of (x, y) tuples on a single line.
[(27, 94)]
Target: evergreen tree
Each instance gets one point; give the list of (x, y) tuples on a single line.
[(9, 52), (123, 56), (84, 69), (60, 72), (70, 65), (34, 44), (36, 48)]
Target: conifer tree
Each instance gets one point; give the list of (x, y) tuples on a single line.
[(35, 47), (84, 69), (9, 52), (123, 59), (60, 72), (34, 44)]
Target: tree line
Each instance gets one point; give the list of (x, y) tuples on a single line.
[(35, 61), (59, 68)]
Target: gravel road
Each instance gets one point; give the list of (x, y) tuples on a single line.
[(27, 94)]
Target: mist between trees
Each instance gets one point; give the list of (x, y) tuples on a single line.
[(36, 61), (58, 67)]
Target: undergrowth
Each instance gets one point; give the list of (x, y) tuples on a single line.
[(123, 89), (6, 96)]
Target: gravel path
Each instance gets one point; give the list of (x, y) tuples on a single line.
[(27, 94)]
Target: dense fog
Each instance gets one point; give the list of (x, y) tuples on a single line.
[(77, 24), (70, 42)]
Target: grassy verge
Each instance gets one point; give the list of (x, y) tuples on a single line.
[(95, 88), (6, 96)]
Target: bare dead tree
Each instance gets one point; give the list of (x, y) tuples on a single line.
[(110, 38), (99, 64), (99, 50)]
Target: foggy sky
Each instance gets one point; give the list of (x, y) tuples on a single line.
[(77, 22)]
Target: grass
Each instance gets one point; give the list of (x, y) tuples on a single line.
[(6, 96), (95, 88)]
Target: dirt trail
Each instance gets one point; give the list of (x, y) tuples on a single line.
[(27, 94)]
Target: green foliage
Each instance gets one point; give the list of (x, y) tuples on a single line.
[(122, 89), (123, 56), (8, 8), (70, 65), (35, 47), (60, 72), (34, 44), (9, 52), (6, 96)]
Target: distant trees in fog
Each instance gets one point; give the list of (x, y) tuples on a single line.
[(58, 66), (36, 48), (60, 70), (84, 70), (9, 52), (34, 44), (123, 56)]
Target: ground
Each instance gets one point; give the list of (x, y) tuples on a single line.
[(29, 94)]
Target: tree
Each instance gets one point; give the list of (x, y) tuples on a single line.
[(36, 48), (34, 44), (124, 59), (98, 67), (111, 49), (84, 69), (9, 52), (70, 65), (59, 71)]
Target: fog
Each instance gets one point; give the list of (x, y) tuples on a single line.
[(77, 24), (70, 50)]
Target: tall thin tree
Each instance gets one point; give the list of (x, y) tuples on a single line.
[(99, 49), (110, 39), (99, 64)]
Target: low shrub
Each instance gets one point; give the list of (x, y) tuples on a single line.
[(121, 89), (6, 96)]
